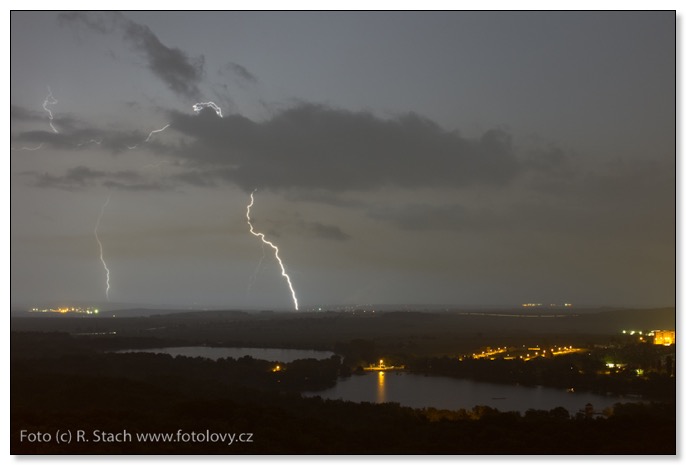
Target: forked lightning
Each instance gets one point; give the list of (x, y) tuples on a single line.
[(276, 250)]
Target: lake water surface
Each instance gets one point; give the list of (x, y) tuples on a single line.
[(418, 391)]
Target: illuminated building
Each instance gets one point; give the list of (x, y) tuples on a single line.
[(664, 337), (383, 367)]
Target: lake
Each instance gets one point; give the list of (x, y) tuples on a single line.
[(215, 353), (419, 391), (413, 390)]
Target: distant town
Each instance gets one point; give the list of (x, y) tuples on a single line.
[(539, 305), (67, 310)]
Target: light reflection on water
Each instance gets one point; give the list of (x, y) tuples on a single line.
[(440, 392), (381, 387)]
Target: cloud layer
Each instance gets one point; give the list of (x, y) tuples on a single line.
[(82, 177), (181, 73), (318, 147)]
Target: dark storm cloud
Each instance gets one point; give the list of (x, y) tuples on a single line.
[(82, 177), (196, 178), (294, 225), (324, 231), (241, 72), (321, 196), (76, 135), (61, 122), (452, 217), (18, 113), (141, 186), (75, 178), (181, 73), (61, 141), (319, 147)]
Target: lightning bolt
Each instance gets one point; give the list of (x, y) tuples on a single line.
[(102, 259), (200, 105), (49, 100), (147, 139), (31, 149), (92, 141), (196, 108), (155, 131), (276, 249)]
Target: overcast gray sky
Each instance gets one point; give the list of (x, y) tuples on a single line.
[(455, 158)]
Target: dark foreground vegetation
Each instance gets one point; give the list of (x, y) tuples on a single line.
[(64, 384)]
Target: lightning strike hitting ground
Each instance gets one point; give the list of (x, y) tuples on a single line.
[(102, 259), (200, 105), (276, 249), (49, 100)]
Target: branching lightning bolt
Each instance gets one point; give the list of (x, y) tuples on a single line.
[(49, 100), (276, 249), (200, 105), (102, 259)]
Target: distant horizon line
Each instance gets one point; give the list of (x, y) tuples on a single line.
[(120, 306)]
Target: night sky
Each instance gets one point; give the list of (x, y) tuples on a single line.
[(457, 158)]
